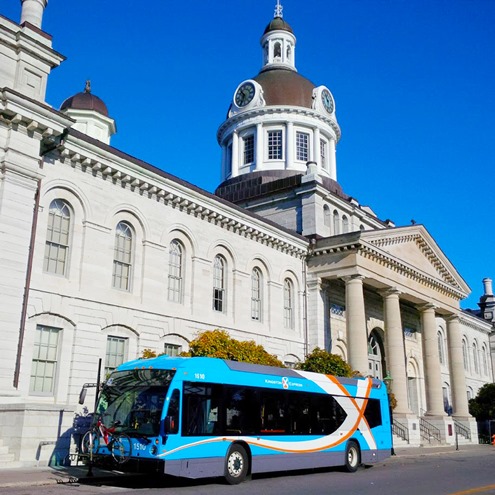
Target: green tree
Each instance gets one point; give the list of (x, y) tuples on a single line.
[(482, 407), (218, 343), (321, 361)]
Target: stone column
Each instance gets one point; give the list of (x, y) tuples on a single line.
[(260, 146), (395, 349), (315, 149), (289, 149), (357, 334), (235, 155), (433, 377), (457, 375), (332, 159)]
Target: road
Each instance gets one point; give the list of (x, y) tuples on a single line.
[(453, 473)]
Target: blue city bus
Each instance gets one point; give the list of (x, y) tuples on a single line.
[(207, 417)]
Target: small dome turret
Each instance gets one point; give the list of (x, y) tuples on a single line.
[(90, 113), (85, 100)]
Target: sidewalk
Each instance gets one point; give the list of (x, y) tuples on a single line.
[(37, 476)]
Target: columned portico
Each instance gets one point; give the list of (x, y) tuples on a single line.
[(357, 335), (433, 377), (395, 349), (456, 360)]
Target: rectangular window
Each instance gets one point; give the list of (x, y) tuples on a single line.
[(323, 153), (172, 349), (275, 145), (45, 354), (302, 146), (115, 355), (248, 149)]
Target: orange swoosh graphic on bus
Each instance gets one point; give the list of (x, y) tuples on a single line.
[(318, 444)]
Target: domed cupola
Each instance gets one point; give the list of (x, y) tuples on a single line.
[(278, 121), (90, 114)]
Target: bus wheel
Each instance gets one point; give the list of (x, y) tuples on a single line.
[(236, 465), (352, 457)]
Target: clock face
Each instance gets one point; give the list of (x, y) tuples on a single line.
[(244, 94), (327, 100)]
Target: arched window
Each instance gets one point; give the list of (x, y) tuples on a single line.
[(277, 52), (465, 355), (219, 296), (288, 304), (441, 347), (476, 364), (122, 257), (256, 290), (345, 224), (57, 238), (326, 216), (485, 360), (374, 357), (336, 223), (175, 271)]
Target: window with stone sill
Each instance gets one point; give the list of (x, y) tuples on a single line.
[(256, 294), (122, 263), (57, 238), (219, 284), (45, 360), (175, 271)]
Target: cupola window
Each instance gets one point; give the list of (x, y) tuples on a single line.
[(302, 146), (248, 149), (274, 145), (323, 154)]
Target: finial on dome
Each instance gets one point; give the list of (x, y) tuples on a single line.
[(278, 10), (87, 88)]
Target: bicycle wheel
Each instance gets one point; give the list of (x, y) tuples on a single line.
[(90, 442), (121, 448)]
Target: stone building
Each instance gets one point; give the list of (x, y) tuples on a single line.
[(104, 255)]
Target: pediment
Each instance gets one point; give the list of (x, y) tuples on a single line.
[(413, 246)]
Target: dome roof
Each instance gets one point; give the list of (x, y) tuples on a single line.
[(285, 87), (278, 24), (85, 101)]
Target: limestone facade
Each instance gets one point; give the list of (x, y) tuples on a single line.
[(104, 255)]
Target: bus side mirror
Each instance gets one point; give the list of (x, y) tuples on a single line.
[(171, 425), (82, 395)]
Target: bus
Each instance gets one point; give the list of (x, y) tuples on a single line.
[(199, 417)]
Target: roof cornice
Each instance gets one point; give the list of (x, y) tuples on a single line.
[(105, 162), (276, 110)]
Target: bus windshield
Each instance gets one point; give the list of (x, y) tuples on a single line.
[(133, 400)]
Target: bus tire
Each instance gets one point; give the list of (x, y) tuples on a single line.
[(352, 457), (236, 465)]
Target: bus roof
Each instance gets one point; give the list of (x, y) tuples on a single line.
[(219, 365)]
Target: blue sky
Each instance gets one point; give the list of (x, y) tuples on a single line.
[(413, 80)]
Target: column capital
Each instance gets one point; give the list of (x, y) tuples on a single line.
[(351, 278), (426, 307), (390, 291), (452, 318)]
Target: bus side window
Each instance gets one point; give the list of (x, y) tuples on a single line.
[(373, 413), (172, 419)]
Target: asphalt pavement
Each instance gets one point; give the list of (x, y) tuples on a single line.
[(37, 476)]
